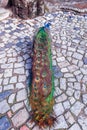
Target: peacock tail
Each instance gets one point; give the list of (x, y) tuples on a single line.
[(42, 87)]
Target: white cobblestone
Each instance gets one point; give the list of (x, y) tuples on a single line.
[(76, 108), (56, 82), (72, 100), (7, 66), (20, 118), (63, 64), (77, 95), (68, 75), (20, 85), (26, 56), (84, 71), (80, 64), (61, 98), (71, 49), (11, 98), (69, 91), (21, 95), (61, 124), (75, 126), (4, 107), (17, 106), (13, 79), (19, 70), (72, 68), (78, 56), (63, 83), (13, 60), (85, 98), (3, 60), (69, 118), (20, 59), (83, 122), (77, 86), (77, 72), (3, 55), (74, 61), (57, 91), (9, 87), (8, 73), (79, 77), (5, 81), (60, 59), (64, 70), (71, 79), (22, 78), (18, 65), (66, 105), (58, 109)]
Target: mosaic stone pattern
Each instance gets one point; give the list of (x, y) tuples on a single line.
[(69, 54)]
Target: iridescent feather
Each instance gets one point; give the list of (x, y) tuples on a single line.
[(42, 87)]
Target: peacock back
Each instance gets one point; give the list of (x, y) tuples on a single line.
[(42, 87)]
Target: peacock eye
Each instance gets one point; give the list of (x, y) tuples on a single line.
[(37, 78), (34, 85), (45, 85), (44, 74)]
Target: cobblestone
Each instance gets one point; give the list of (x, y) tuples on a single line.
[(5, 94), (75, 126), (61, 123), (4, 123), (4, 107), (11, 99), (21, 95), (8, 73), (20, 85), (77, 95), (20, 118), (61, 98), (13, 79), (66, 105), (5, 81), (17, 106), (58, 109), (9, 87), (21, 78), (69, 118), (83, 122), (77, 56), (85, 110), (76, 109), (19, 71), (69, 56), (85, 98), (63, 83)]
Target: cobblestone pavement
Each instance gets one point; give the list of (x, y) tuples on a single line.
[(69, 54)]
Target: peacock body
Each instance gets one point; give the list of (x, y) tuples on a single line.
[(42, 87)]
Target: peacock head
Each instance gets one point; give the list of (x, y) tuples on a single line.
[(47, 25)]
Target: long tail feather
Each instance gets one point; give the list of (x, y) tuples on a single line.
[(42, 87)]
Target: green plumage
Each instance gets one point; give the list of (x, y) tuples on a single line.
[(42, 88)]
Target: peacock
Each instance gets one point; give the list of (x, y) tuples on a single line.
[(42, 86)]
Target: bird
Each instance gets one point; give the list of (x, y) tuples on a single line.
[(42, 84)]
